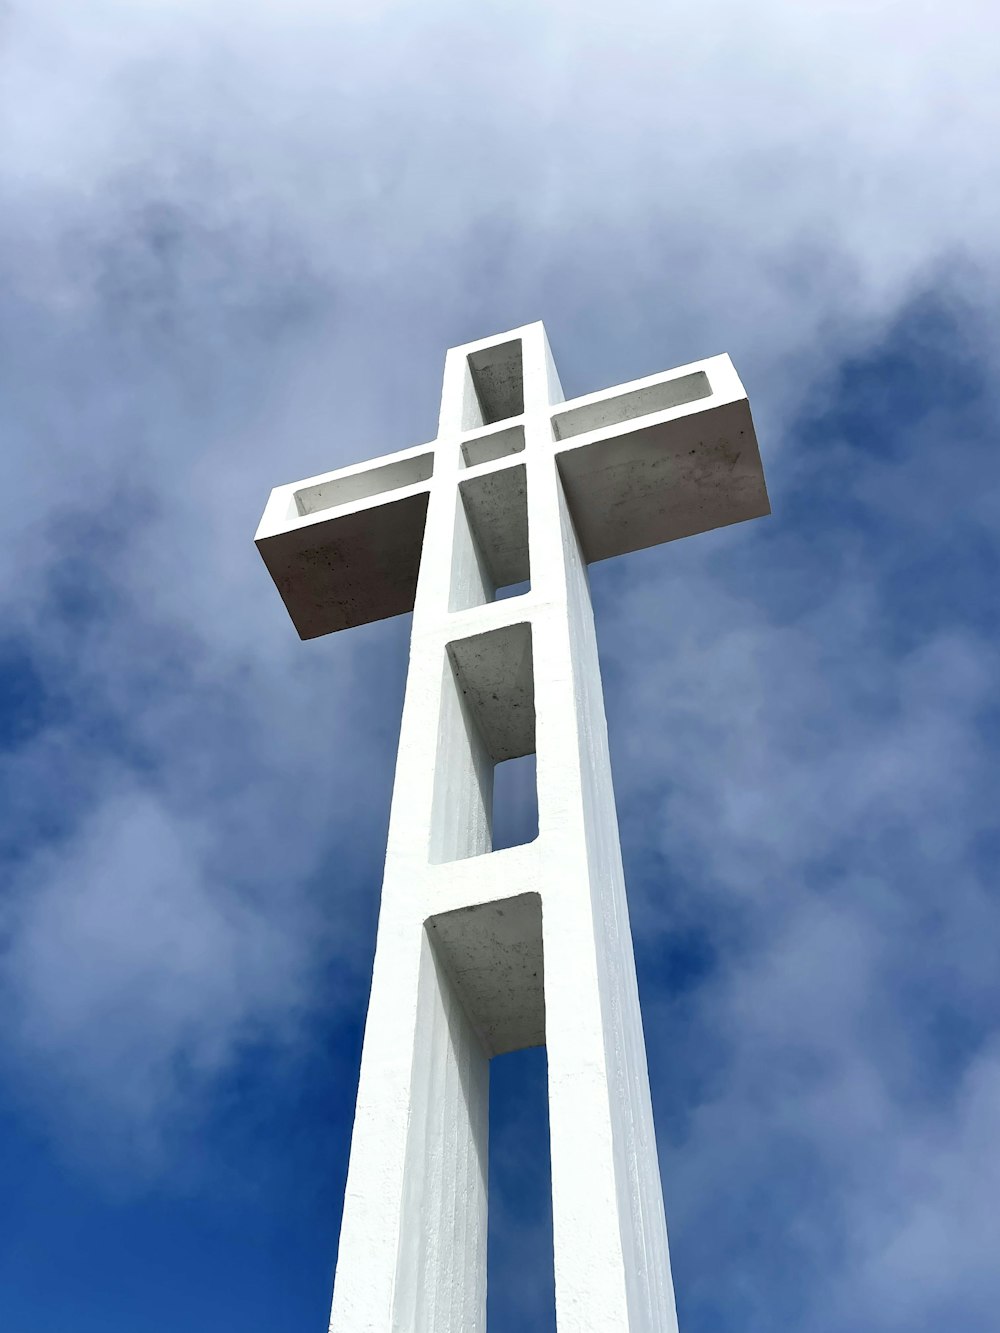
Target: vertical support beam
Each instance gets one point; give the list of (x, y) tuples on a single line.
[(441, 1273), (628, 1134), (416, 1189), (612, 1268)]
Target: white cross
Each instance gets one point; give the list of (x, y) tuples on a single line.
[(482, 952)]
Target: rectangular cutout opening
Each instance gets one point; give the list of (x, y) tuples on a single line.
[(627, 406), (520, 1288), (497, 444), (515, 802), (494, 385), (490, 550), (361, 485), (487, 718), (480, 996)]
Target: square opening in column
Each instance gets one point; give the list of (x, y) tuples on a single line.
[(490, 551), (494, 385), (489, 447), (487, 718)]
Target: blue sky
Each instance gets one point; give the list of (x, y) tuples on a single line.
[(236, 244)]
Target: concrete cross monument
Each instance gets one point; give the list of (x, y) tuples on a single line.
[(481, 952)]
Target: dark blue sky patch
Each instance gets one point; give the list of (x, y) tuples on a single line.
[(927, 365), (24, 702), (680, 962), (520, 1286)]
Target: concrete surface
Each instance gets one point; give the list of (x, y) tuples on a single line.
[(664, 457), (492, 953), (480, 951)]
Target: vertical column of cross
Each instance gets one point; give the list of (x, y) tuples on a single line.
[(393, 1264), (612, 1268), (412, 1254)]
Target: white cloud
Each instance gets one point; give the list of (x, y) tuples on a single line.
[(128, 951)]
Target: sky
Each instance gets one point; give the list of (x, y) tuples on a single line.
[(236, 242)]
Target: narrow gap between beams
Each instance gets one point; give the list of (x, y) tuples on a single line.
[(487, 448), (515, 802), (520, 1289)]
